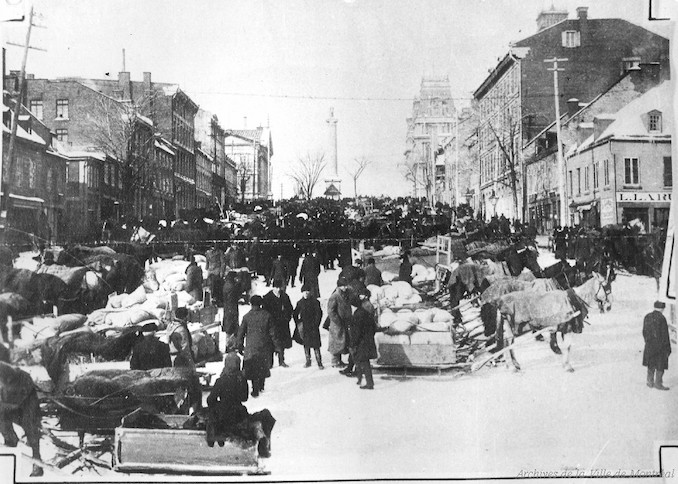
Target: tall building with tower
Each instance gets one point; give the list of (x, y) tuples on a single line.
[(432, 120), (333, 183)]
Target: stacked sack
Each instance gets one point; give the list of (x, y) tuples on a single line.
[(431, 326), (398, 293), (421, 274), (407, 321)]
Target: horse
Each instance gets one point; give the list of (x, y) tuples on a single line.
[(562, 310), (55, 350), (563, 273), (19, 404), (519, 257), (467, 279)]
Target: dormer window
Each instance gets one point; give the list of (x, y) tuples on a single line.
[(654, 122), (571, 38)]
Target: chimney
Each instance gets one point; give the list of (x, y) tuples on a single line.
[(572, 107), (30, 76), (124, 84), (645, 76), (551, 17), (147, 81), (600, 124), (244, 122), (583, 15)]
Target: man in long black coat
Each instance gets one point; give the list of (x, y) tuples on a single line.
[(149, 353), (657, 346), (277, 303), (307, 316), (255, 342), (279, 272), (230, 297), (309, 272)]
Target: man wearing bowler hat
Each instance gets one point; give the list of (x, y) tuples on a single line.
[(657, 346)]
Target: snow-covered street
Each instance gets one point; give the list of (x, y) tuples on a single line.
[(496, 422)]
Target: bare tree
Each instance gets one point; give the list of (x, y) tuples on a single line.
[(416, 169), (306, 173), (358, 169), (243, 173), (508, 141), (124, 135)]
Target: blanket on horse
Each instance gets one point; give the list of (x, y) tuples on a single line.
[(541, 309), (100, 398), (470, 275), (512, 284)]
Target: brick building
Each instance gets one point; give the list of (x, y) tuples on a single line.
[(620, 170), (516, 100)]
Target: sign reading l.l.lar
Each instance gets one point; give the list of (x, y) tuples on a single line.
[(643, 196)]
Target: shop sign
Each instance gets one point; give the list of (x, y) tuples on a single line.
[(639, 197)]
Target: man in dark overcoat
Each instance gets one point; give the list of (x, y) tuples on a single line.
[(194, 280), (309, 272), (255, 342), (657, 346), (560, 243), (279, 272), (277, 303), (214, 263), (405, 269), (307, 316), (230, 297), (363, 348), (339, 314), (149, 353), (372, 274)]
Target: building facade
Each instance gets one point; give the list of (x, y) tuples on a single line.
[(621, 172), (33, 188), (516, 101), (432, 121), (251, 150), (540, 152)]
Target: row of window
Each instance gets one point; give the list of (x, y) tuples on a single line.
[(631, 175), (37, 108), (505, 89)]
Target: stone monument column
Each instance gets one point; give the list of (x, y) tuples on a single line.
[(333, 161)]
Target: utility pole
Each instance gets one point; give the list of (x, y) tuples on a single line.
[(563, 217), (15, 119), (434, 154), (456, 160)]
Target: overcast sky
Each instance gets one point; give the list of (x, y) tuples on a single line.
[(289, 61)]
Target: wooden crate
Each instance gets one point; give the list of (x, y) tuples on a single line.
[(177, 450), (409, 355)]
